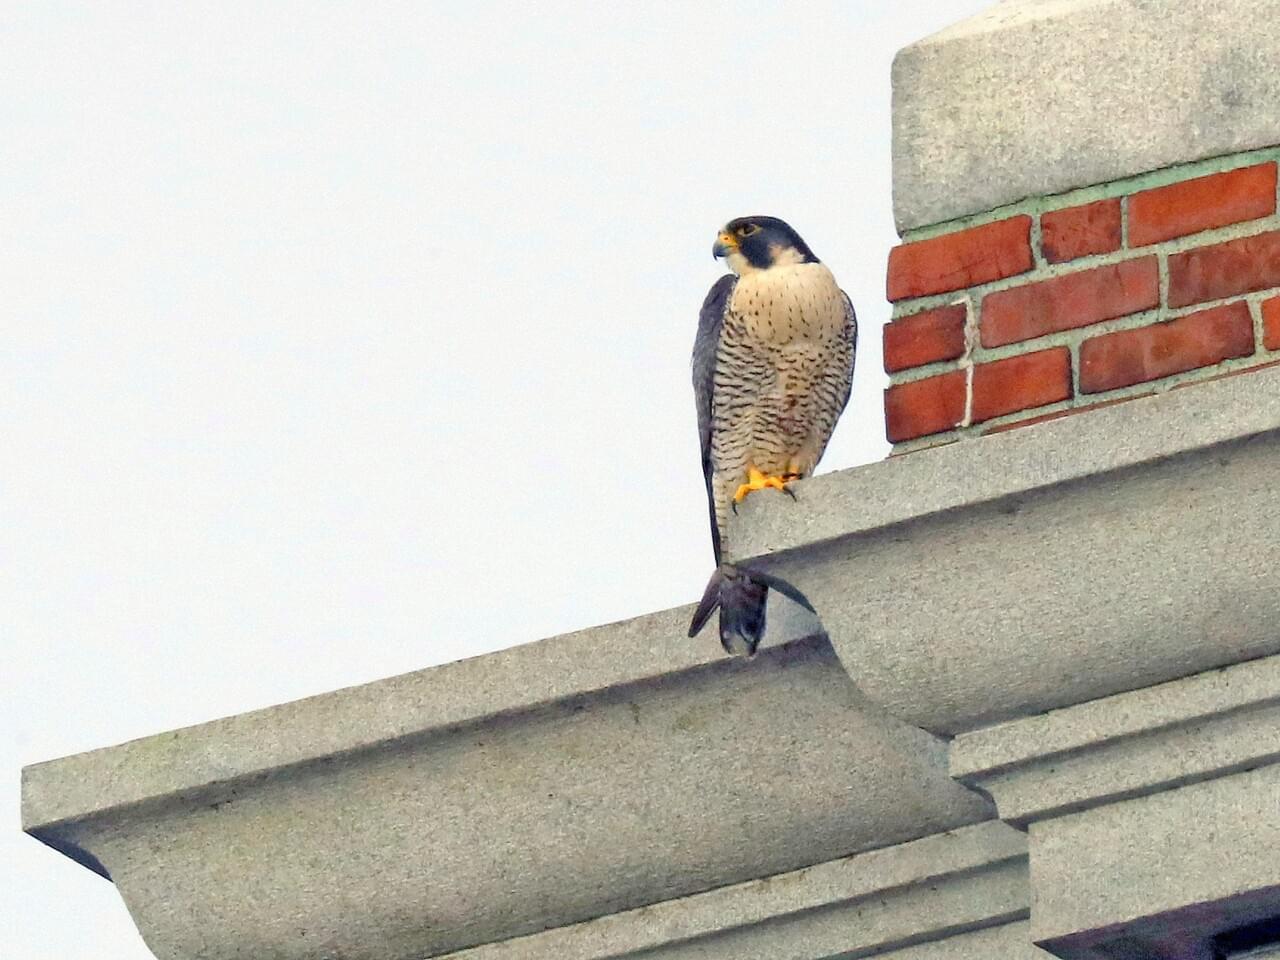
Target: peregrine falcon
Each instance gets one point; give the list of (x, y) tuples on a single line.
[(772, 370)]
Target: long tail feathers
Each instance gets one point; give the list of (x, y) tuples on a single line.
[(784, 588), (707, 605), (741, 599)]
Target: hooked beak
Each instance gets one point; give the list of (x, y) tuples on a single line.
[(725, 244)]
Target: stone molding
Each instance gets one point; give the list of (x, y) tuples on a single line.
[(496, 797), (1145, 741), (355, 719), (1067, 561), (1154, 815), (899, 901), (1162, 875)]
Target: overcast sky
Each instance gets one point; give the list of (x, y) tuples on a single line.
[(341, 340)]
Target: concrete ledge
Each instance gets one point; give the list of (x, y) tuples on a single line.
[(923, 893), (1010, 941), (1152, 814), (496, 797), (355, 719), (1059, 563), (1131, 744), (1035, 97), (1159, 876)]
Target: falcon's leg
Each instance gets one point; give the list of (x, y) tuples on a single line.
[(760, 481)]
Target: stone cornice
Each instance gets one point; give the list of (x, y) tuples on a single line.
[(496, 797), (354, 719), (1059, 563), (925, 890), (1209, 725)]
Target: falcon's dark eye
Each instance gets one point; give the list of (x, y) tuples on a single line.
[(748, 230)]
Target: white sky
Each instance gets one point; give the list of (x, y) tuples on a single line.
[(341, 340)]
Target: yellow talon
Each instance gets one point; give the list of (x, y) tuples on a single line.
[(759, 481)]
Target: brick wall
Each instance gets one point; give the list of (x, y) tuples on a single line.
[(1062, 304)]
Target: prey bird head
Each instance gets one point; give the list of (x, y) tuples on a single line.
[(758, 243)]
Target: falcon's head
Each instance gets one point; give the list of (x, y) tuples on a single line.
[(758, 243)]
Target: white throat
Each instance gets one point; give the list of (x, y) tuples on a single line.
[(739, 264)]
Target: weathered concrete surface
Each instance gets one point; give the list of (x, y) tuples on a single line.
[(1152, 813), (1039, 96), (1159, 875), (495, 797), (1011, 941), (1127, 745), (1047, 566), (354, 719), (927, 893)]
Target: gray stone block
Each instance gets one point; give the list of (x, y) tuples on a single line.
[(1010, 941), (1135, 743), (495, 797), (1159, 875), (1039, 96), (1051, 565), (927, 894)]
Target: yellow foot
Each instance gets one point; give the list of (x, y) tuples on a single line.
[(759, 481)]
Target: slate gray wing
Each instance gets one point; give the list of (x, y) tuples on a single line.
[(705, 346)]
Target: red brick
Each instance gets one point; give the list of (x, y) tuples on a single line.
[(1271, 324), (1080, 231), (1020, 383), (1070, 301), (924, 338), (922, 407), (1059, 414), (1202, 204), (962, 259), (1163, 349), (1225, 269)]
